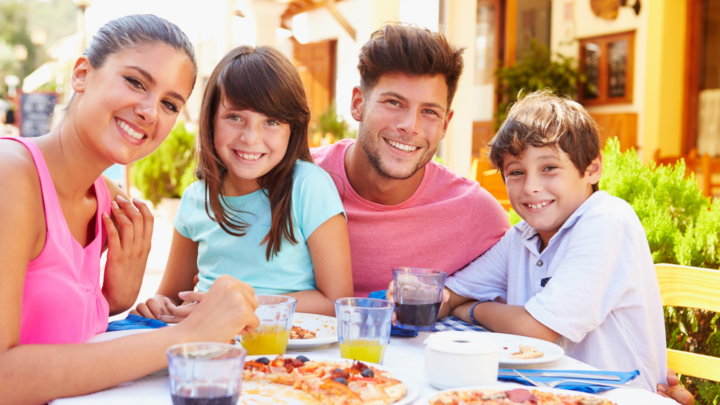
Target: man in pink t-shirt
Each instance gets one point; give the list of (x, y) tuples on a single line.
[(404, 209)]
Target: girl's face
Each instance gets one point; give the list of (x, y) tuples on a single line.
[(250, 145), (126, 108)]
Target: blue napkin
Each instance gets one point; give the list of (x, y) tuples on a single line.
[(135, 322), (587, 387), (395, 330)]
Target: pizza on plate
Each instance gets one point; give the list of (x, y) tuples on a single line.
[(517, 396), (330, 382), (300, 333), (527, 352)]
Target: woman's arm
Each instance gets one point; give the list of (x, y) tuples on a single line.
[(330, 251), (38, 373), (180, 270), (34, 374)]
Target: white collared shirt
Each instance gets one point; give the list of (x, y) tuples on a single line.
[(594, 284)]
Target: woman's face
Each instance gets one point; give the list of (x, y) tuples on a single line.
[(126, 108), (250, 145)]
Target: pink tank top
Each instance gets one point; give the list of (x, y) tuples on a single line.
[(62, 298)]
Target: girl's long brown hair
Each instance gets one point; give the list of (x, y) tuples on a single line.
[(263, 80)]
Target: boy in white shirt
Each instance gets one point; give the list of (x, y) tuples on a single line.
[(578, 270)]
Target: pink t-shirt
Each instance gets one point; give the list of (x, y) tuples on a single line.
[(447, 223), (62, 297)]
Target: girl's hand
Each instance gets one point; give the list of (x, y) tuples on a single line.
[(128, 250), (178, 313), (153, 308), (226, 310)]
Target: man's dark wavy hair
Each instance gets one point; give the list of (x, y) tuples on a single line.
[(407, 49)]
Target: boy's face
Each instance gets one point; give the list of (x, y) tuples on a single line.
[(545, 187)]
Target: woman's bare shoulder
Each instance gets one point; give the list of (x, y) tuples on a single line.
[(17, 167), (20, 192)]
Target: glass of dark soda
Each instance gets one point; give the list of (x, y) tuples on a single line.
[(205, 373), (418, 296)]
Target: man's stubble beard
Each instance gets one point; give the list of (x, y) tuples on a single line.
[(373, 155)]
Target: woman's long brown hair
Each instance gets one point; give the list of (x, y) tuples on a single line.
[(262, 80)]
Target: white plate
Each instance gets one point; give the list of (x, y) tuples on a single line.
[(256, 393), (551, 351), (325, 328), (505, 387)]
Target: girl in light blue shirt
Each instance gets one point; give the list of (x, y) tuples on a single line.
[(262, 212)]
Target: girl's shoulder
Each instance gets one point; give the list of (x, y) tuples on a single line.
[(306, 169), (307, 173), (195, 191)]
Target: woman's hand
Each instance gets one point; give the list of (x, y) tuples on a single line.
[(226, 310), (128, 250)]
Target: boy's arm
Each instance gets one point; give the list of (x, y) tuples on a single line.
[(485, 278), (503, 318)]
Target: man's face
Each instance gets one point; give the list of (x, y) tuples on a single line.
[(402, 122)]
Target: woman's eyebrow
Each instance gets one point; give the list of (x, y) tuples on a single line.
[(144, 73)]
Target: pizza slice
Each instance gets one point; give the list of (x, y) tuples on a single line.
[(517, 396), (330, 382)]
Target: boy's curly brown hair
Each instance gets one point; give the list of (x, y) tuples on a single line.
[(543, 118)]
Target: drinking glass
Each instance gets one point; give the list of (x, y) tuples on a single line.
[(205, 373), (276, 316), (363, 328), (418, 295)]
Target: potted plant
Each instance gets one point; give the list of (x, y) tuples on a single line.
[(536, 70), (330, 128), (163, 176)]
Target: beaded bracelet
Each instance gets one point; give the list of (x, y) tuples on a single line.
[(472, 309)]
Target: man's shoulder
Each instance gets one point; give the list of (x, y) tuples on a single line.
[(445, 183), (328, 156)]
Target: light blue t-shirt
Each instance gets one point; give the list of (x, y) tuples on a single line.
[(315, 199)]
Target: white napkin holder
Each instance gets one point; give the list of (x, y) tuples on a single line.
[(459, 359)]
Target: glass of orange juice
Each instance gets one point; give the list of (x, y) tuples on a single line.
[(363, 328), (276, 315)]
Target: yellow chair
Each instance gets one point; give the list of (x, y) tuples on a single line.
[(690, 287), (490, 179)]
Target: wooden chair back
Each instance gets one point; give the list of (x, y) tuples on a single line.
[(690, 287), (691, 160), (710, 166)]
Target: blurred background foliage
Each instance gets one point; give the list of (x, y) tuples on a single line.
[(329, 122), (682, 227), (58, 18), (168, 171), (537, 69)]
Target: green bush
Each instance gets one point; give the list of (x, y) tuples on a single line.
[(682, 227), (168, 171), (535, 70), (329, 121)]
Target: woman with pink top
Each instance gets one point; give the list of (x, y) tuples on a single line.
[(58, 214)]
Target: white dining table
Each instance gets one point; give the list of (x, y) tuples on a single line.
[(404, 356)]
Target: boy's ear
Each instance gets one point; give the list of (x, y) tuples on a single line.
[(594, 170)]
